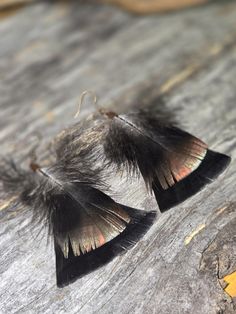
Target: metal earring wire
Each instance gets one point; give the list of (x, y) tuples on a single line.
[(82, 96)]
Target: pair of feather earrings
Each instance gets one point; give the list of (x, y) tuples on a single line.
[(89, 228)]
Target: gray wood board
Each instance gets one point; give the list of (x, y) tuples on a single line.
[(49, 54)]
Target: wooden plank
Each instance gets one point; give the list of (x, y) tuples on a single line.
[(185, 59), (152, 6)]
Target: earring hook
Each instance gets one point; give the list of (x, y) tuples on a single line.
[(86, 92)]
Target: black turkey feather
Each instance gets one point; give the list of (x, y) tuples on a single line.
[(68, 196), (167, 157)]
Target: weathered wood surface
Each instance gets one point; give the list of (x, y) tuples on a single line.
[(49, 54)]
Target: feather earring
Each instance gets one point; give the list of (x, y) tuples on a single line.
[(89, 228), (173, 163)]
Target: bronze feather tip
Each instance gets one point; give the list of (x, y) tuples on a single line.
[(209, 169)]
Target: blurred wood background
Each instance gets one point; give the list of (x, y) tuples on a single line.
[(152, 6), (49, 54)]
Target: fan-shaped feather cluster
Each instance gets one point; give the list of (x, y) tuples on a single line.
[(71, 195)]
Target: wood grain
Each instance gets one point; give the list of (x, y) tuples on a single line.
[(49, 54)]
